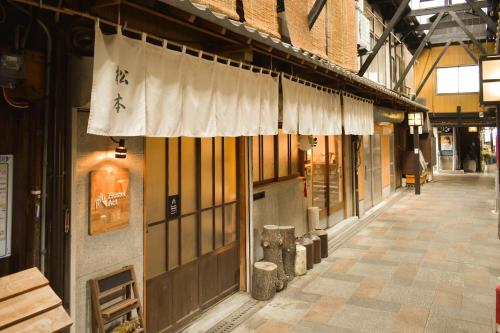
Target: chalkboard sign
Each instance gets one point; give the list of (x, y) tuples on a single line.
[(173, 206)]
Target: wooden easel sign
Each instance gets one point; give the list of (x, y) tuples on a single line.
[(109, 200)]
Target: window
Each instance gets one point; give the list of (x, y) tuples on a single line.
[(201, 176), (457, 80), (275, 157)]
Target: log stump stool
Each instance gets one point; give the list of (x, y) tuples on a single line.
[(323, 236), (288, 250), (272, 244), (300, 260), (316, 248), (308, 244), (264, 280)]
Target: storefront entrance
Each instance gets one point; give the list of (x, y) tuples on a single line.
[(327, 178), (372, 170), (193, 209)]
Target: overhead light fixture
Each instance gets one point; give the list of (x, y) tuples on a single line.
[(120, 150), (472, 129)]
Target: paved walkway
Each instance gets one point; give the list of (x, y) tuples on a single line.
[(427, 264)]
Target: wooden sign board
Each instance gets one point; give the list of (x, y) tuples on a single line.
[(109, 200)]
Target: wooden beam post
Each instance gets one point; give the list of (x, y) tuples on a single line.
[(428, 75), (467, 32), (394, 20), (315, 11), (479, 12), (419, 50), (469, 52)]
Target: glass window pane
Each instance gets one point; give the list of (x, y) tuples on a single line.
[(173, 159), (218, 227), (319, 176), (447, 80), (189, 239), (173, 244), (335, 162), (206, 173), (255, 158), (218, 171), (229, 169), (468, 79), (295, 154), (230, 223), (283, 154), (155, 179), (156, 250), (207, 234), (268, 156), (188, 175)]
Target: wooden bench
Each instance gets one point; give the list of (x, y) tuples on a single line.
[(115, 296), (28, 304)]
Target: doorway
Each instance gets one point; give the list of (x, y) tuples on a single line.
[(193, 209), (372, 170)]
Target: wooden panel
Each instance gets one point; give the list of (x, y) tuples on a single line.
[(18, 283), (185, 293), (454, 56), (228, 268), (386, 160), (50, 321), (155, 182), (208, 278), (159, 302), (27, 305)]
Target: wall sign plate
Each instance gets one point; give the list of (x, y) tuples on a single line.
[(174, 207), (109, 200)]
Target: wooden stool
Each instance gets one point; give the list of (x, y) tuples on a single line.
[(288, 250), (308, 244), (316, 249), (300, 260), (264, 279), (323, 236)]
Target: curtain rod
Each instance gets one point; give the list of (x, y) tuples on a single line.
[(124, 27), (312, 84)]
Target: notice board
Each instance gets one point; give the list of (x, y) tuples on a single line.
[(6, 183)]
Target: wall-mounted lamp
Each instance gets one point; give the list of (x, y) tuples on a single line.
[(415, 121), (120, 150), (489, 79)]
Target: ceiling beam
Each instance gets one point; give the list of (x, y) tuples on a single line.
[(436, 62), (392, 23), (315, 11), (467, 32), (443, 38), (469, 52), (436, 10), (419, 50), (479, 12), (444, 25)]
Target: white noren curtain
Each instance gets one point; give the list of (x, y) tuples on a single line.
[(171, 94), (309, 110), (358, 116)]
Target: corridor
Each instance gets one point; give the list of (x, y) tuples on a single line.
[(426, 264)]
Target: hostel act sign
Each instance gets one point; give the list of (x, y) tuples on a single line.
[(109, 200)]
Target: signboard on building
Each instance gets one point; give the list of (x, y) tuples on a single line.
[(173, 205), (6, 183), (109, 200)]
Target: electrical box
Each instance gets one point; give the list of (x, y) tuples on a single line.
[(12, 71)]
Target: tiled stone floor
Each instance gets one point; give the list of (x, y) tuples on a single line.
[(429, 263)]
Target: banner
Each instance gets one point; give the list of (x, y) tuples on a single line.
[(117, 104), (149, 90)]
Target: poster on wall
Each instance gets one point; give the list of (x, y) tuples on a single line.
[(6, 180), (446, 144), (109, 200)]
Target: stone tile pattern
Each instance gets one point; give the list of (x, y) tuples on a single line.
[(429, 263)]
